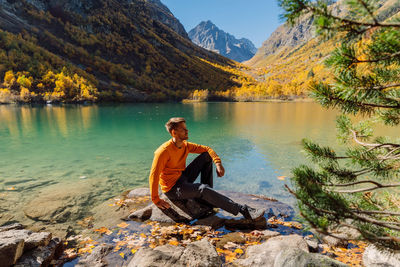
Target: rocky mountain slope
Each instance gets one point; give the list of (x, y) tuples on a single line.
[(292, 56), (210, 37), (129, 49)]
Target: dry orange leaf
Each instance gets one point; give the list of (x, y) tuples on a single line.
[(10, 188), (123, 225), (174, 243), (281, 178)]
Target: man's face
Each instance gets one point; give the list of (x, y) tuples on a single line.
[(181, 131)]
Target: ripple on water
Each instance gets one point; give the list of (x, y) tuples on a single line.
[(18, 181), (68, 174)]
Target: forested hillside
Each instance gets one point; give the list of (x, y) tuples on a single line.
[(102, 50)]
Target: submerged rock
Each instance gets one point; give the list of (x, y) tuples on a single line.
[(199, 253)]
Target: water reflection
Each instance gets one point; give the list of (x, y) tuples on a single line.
[(257, 141)]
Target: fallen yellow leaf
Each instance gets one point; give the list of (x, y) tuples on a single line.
[(133, 251), (281, 178), (239, 251), (122, 255), (123, 225), (174, 243)]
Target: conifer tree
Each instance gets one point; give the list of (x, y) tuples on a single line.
[(359, 189)]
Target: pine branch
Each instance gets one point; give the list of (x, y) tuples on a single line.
[(340, 100), (374, 146), (355, 183), (385, 238), (313, 9), (380, 88), (389, 213), (376, 222), (367, 189), (356, 61), (351, 214), (309, 205)]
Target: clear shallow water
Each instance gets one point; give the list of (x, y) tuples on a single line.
[(55, 145)]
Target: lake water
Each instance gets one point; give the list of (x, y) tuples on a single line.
[(112, 146)]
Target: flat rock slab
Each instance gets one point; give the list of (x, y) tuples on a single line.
[(374, 256), (199, 253), (31, 239), (97, 257), (42, 255), (266, 253), (203, 214), (294, 257)]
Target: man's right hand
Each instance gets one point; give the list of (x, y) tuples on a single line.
[(162, 204)]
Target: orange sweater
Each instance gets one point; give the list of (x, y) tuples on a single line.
[(169, 162)]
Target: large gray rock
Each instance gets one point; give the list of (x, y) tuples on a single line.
[(32, 240), (138, 192), (180, 211), (200, 253), (42, 255), (380, 257), (266, 253), (294, 257), (97, 257), (10, 251), (184, 211)]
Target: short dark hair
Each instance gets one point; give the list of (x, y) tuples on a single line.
[(173, 123)]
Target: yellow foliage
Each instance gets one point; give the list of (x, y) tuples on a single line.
[(24, 81), (5, 96), (9, 78), (25, 95), (200, 95)]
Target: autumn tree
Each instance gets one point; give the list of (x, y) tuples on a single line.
[(358, 189)]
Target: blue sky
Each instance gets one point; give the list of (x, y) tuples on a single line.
[(251, 19)]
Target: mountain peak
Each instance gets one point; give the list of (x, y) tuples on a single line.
[(207, 35)]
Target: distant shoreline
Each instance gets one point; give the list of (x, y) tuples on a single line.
[(184, 101)]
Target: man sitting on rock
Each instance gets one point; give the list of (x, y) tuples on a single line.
[(177, 182)]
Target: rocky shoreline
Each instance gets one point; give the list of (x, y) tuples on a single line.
[(131, 231)]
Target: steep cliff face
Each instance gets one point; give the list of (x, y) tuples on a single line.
[(284, 37), (210, 37), (287, 38), (136, 47), (164, 15)]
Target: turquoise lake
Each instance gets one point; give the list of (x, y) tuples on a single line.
[(112, 145)]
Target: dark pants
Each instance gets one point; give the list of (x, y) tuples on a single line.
[(185, 188)]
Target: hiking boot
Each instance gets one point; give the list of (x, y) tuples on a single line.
[(252, 214)]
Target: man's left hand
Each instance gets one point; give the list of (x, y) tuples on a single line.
[(220, 170)]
